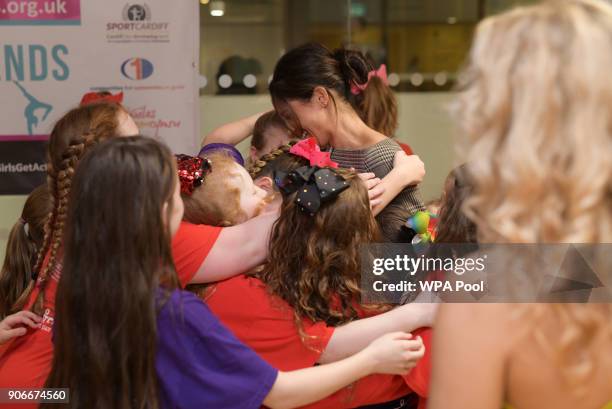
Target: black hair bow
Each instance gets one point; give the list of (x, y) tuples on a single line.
[(314, 185)]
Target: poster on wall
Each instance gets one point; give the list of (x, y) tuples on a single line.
[(54, 51)]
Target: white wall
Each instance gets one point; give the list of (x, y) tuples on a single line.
[(423, 124), (426, 126)]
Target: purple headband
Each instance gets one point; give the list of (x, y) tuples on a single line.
[(229, 149)]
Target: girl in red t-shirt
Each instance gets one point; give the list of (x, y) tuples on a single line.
[(25, 361), (288, 312)]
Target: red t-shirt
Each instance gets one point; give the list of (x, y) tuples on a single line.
[(190, 246), (25, 362), (406, 148), (266, 324)]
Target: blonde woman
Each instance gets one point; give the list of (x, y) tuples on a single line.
[(536, 112)]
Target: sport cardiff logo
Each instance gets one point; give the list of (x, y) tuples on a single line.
[(136, 12), (137, 68)]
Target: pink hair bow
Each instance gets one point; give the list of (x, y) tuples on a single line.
[(381, 73), (309, 149)]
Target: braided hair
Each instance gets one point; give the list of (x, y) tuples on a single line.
[(70, 139), (263, 166)]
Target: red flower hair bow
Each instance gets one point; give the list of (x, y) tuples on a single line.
[(191, 171), (93, 97), (309, 149)]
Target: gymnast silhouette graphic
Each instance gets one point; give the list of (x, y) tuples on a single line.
[(30, 109)]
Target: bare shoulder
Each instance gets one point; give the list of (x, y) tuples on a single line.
[(493, 322), (471, 346), (477, 313)]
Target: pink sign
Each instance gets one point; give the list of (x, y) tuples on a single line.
[(40, 12)]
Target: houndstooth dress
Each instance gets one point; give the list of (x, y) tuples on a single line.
[(378, 159)]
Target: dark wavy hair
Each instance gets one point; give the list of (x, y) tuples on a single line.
[(453, 225), (116, 256), (24, 241), (314, 261)]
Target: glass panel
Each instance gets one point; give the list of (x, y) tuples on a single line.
[(423, 42), (240, 47), (497, 6)]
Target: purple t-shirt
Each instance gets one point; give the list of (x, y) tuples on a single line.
[(201, 364)]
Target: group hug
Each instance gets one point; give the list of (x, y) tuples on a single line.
[(139, 278)]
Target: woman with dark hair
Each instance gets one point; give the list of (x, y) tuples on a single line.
[(331, 96), (145, 343)]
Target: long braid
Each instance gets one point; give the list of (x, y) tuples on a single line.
[(61, 190), (51, 183), (261, 163), (51, 175), (70, 138)]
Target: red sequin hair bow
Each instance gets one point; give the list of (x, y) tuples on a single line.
[(191, 172), (309, 149), (381, 73), (104, 96)]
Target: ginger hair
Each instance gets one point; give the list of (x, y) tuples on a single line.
[(261, 167), (217, 201), (72, 136)]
